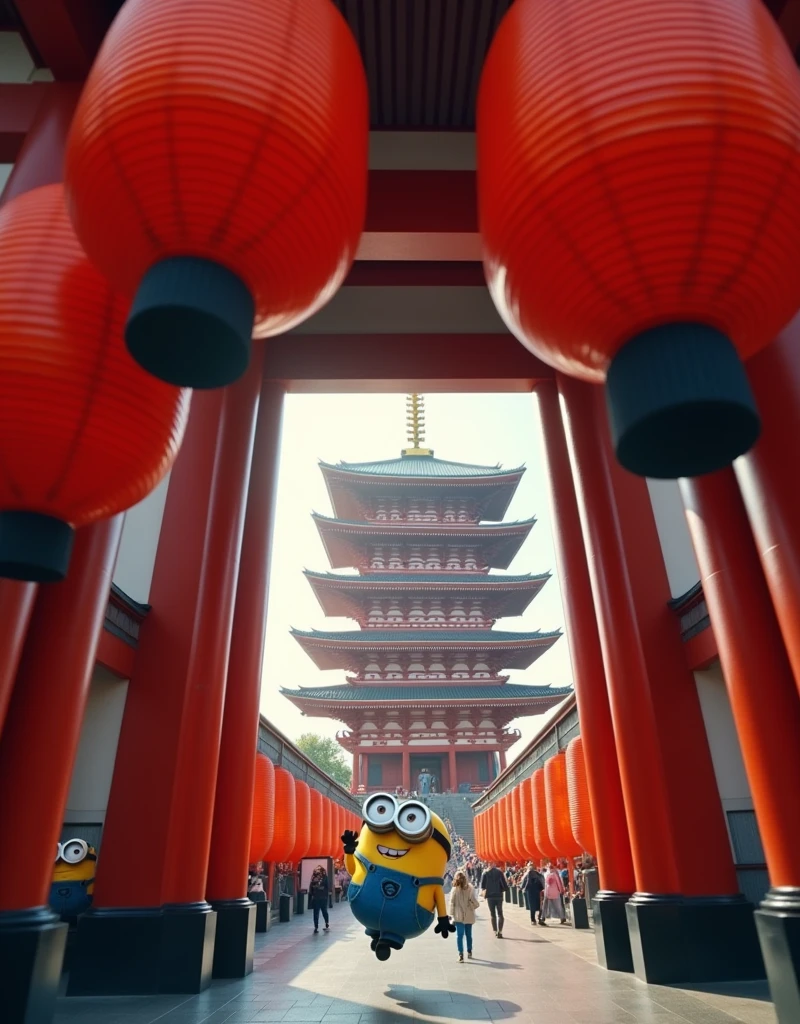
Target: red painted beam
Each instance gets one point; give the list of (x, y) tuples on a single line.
[(412, 201), (701, 649), (19, 104), (115, 655), (66, 34), (378, 363), (411, 273)]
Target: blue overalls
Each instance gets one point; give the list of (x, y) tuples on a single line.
[(386, 903), (70, 898)]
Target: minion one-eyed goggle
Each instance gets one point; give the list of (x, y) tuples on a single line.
[(412, 819), (74, 851)]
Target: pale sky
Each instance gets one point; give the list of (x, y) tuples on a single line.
[(482, 429)]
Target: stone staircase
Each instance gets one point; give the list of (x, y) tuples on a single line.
[(457, 807)]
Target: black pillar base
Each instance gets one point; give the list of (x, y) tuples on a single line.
[(263, 916), (116, 952), (611, 930), (235, 940), (580, 916), (31, 954), (677, 939), (300, 907), (187, 947), (778, 923)]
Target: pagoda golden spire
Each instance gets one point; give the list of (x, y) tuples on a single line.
[(415, 425)]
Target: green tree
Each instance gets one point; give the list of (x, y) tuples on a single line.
[(327, 755)]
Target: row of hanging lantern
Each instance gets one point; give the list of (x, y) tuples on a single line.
[(291, 820), (544, 817), (638, 167)]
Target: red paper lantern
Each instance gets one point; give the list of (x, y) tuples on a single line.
[(336, 848), (217, 170), (516, 824), (285, 835), (327, 826), (540, 830), (506, 848), (580, 809), (317, 824), (526, 820), (302, 804), (638, 174), (559, 826), (494, 811), (84, 432), (263, 821)]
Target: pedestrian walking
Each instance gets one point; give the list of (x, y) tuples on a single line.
[(463, 904), (318, 894), (553, 905), (533, 887), (493, 889)]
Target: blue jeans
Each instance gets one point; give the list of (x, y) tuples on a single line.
[(461, 930), (318, 906)]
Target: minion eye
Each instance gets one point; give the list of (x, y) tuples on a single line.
[(414, 821), (380, 811), (74, 851)]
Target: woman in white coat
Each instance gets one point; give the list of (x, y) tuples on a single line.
[(463, 904)]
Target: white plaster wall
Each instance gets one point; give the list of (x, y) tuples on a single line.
[(97, 751), (137, 550), (676, 545), (726, 753)]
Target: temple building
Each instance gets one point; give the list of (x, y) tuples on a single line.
[(426, 688)]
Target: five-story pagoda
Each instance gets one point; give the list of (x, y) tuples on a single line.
[(425, 689)]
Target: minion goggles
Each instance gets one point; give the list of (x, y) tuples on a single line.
[(412, 819), (74, 851)]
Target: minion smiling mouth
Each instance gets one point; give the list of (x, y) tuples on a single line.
[(388, 851)]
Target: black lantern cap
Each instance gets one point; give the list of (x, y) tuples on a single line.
[(191, 323), (34, 547), (679, 402)]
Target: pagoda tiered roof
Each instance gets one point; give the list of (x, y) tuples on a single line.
[(344, 595), (493, 485), (506, 693), (343, 538), (343, 648)]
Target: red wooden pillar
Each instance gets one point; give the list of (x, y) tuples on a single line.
[(501, 755), (226, 888), (765, 707), (151, 929), (16, 605), (697, 827), (597, 731), (37, 753), (406, 769), (451, 765), (356, 772)]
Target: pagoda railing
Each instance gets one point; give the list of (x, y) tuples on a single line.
[(352, 741)]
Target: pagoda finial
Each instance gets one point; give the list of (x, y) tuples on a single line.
[(415, 425)]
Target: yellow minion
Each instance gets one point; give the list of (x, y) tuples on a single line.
[(73, 878), (397, 866)]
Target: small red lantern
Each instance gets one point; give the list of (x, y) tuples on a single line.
[(327, 826), (559, 826), (262, 828), (540, 831), (317, 824), (302, 803), (526, 820), (217, 169), (84, 432), (285, 835), (516, 824), (638, 174), (580, 809)]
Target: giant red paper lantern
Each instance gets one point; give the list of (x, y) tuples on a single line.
[(540, 830), (315, 848), (327, 826), (526, 820), (559, 825), (216, 170), (302, 804), (263, 821), (638, 174), (516, 824), (506, 844), (84, 432), (494, 810), (580, 809), (285, 834)]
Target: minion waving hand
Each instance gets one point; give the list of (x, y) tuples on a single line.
[(397, 865)]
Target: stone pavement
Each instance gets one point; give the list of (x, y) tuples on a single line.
[(529, 977)]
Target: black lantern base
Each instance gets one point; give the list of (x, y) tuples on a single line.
[(677, 939), (235, 940), (191, 323), (778, 923), (34, 547), (679, 402), (611, 934), (31, 954)]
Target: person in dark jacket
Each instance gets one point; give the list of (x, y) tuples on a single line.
[(318, 892), (533, 886), (493, 887)]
